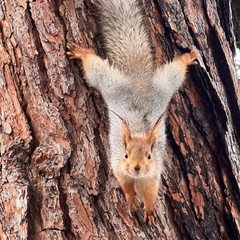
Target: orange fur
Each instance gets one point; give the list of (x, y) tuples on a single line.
[(188, 59), (84, 54), (136, 171)]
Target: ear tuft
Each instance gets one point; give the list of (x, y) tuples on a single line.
[(125, 134), (153, 135)]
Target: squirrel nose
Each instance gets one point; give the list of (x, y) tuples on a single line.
[(137, 168)]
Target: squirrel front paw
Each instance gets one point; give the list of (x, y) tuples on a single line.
[(149, 216), (131, 202), (78, 52), (189, 58)]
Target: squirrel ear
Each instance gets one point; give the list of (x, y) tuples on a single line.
[(125, 134), (153, 135)]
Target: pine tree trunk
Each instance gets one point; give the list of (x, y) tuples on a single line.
[(56, 182)]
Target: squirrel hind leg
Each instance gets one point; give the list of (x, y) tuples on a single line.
[(193, 55), (188, 59), (78, 52)]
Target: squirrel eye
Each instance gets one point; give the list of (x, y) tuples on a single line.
[(126, 155), (149, 156)]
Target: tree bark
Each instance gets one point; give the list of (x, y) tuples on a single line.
[(56, 181), (236, 20)]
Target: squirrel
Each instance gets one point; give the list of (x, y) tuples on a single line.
[(137, 94)]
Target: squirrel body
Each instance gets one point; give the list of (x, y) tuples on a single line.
[(137, 94)]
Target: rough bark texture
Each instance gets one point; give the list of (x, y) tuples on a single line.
[(236, 20), (55, 180)]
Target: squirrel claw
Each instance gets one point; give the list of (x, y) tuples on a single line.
[(189, 58), (194, 55), (71, 46), (149, 217), (133, 208), (132, 203), (76, 51)]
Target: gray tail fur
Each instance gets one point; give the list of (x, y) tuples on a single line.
[(125, 35)]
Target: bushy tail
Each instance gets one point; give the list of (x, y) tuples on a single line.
[(125, 35)]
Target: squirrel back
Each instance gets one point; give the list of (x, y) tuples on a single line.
[(125, 36)]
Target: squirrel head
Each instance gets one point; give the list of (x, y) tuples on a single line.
[(138, 158)]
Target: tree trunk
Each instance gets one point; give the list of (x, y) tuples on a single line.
[(236, 20), (56, 182)]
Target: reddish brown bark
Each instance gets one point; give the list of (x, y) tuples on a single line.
[(56, 182)]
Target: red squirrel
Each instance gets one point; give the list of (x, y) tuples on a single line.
[(137, 94)]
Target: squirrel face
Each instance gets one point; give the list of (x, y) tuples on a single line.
[(137, 160)]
